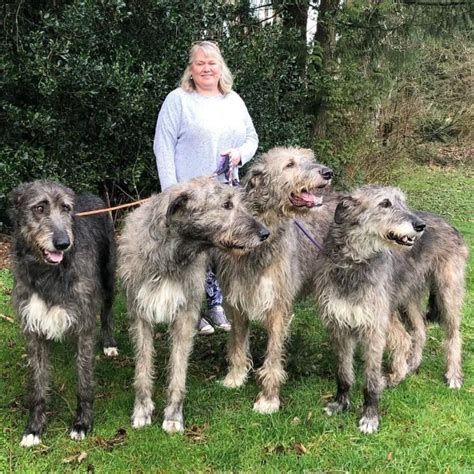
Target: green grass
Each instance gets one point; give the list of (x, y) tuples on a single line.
[(425, 426)]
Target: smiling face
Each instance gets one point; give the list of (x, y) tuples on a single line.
[(206, 72), (380, 215), (286, 182), (41, 212)]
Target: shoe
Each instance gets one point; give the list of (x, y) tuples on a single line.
[(204, 328), (217, 316)]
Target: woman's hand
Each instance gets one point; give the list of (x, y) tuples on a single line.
[(234, 156)]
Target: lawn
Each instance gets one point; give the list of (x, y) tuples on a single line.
[(425, 426)]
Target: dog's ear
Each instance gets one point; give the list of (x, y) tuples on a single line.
[(255, 178), (176, 205), (15, 200), (344, 209)]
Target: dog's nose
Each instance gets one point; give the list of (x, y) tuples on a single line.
[(61, 242), (419, 226), (263, 234), (327, 173)]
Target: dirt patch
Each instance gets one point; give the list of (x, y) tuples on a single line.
[(5, 243)]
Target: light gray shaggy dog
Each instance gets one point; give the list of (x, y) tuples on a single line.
[(64, 270), (163, 262), (380, 259), (261, 285)]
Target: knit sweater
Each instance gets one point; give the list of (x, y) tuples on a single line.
[(193, 130)]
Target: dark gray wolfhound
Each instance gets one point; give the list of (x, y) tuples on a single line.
[(380, 260), (261, 286), (162, 262), (63, 268)]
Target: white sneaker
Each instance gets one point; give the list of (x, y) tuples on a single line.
[(217, 316), (204, 327)]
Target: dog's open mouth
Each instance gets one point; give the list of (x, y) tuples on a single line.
[(305, 198), (401, 239), (54, 258)]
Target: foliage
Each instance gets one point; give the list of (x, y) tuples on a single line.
[(82, 82)]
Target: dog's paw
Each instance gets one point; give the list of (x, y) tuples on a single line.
[(266, 406), (413, 363), (30, 440), (369, 424), (77, 435), (142, 415), (394, 378), (454, 381), (234, 379), (173, 426), (111, 352)]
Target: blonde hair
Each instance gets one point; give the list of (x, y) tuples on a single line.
[(209, 48)]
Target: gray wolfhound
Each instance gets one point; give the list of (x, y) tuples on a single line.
[(380, 259), (63, 268), (163, 257), (262, 284)]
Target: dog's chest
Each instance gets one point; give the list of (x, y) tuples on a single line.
[(354, 302), (52, 322)]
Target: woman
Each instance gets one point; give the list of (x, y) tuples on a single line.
[(200, 122)]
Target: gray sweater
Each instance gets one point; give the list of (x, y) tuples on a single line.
[(192, 130)]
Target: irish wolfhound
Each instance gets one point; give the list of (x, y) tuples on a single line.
[(364, 278), (163, 262), (63, 268), (262, 284)]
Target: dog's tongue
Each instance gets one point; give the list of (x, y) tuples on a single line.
[(55, 257), (309, 199)]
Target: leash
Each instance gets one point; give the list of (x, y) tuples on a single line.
[(224, 167), (311, 238), (109, 209)]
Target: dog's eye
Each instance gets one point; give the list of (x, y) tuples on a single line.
[(66, 208), (39, 209), (228, 205), (385, 203), (290, 164)]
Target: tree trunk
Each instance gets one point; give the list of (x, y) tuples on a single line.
[(325, 36)]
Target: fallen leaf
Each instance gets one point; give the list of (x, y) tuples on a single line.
[(277, 449), (390, 456), (76, 458), (310, 414), (300, 449), (295, 421), (195, 432), (110, 443)]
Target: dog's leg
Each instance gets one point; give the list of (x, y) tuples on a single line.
[(399, 346), (373, 343), (272, 374), (238, 350), (182, 334), (106, 317), (142, 338), (449, 298), (86, 386), (343, 345), (38, 360), (418, 334)]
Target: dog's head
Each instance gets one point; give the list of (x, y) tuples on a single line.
[(379, 216), (286, 181), (41, 214), (206, 211)]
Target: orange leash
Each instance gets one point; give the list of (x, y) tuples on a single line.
[(122, 206)]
